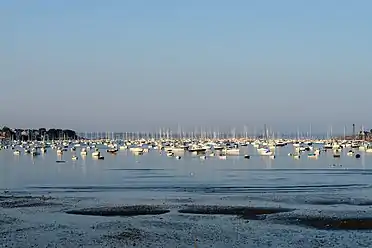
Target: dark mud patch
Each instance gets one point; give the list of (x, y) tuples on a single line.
[(180, 200), (323, 200), (243, 212), (121, 211), (331, 223), (131, 234), (351, 202), (27, 203), (24, 197)]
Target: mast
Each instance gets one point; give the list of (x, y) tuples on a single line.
[(298, 133), (344, 132)]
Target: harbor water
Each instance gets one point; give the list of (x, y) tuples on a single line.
[(157, 201)]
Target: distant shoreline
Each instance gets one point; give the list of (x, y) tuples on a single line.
[(57, 134)]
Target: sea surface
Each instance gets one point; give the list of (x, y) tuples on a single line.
[(158, 201)]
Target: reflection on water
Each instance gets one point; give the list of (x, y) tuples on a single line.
[(363, 159)]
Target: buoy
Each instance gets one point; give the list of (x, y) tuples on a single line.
[(357, 156)]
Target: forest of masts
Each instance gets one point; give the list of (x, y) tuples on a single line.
[(208, 133)]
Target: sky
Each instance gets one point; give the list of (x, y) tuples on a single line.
[(118, 65)]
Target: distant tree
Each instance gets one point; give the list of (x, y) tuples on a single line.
[(5, 129), (59, 133), (37, 134), (70, 134), (9, 133), (42, 131), (18, 133), (24, 135), (52, 134)]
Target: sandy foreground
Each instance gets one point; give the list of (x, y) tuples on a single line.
[(39, 221)]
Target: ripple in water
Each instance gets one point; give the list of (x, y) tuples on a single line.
[(208, 189)]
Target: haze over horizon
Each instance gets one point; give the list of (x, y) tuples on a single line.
[(140, 65)]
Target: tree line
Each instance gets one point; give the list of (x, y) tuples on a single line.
[(37, 134)]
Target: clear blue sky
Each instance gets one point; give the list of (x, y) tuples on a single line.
[(142, 64)]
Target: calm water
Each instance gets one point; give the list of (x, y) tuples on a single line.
[(325, 186)]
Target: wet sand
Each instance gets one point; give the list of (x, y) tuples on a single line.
[(131, 236)]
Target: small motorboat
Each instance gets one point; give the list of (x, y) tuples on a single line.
[(96, 153), (83, 152), (296, 156), (312, 155), (170, 154), (112, 151)]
